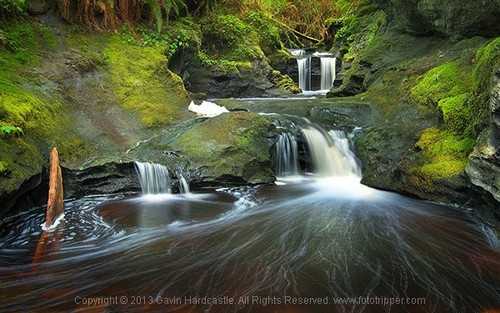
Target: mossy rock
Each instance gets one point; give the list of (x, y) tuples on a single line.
[(230, 145), (143, 84)]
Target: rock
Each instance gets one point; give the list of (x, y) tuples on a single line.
[(38, 7), (232, 146), (449, 18), (353, 80), (484, 166), (108, 178), (484, 163), (229, 79), (55, 203)]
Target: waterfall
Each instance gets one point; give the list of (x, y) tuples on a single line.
[(330, 152), (287, 160), (154, 178), (327, 72), (183, 184), (304, 67)]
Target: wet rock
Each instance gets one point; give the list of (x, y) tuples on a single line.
[(231, 147), (108, 178), (351, 81), (484, 166), (238, 80), (484, 162), (38, 7), (450, 17)]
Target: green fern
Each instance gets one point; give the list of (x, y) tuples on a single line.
[(9, 131), (161, 10)]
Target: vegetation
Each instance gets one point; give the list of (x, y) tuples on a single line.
[(446, 153), (143, 84), (12, 7)]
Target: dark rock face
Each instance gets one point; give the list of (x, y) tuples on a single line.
[(103, 179), (351, 81), (484, 162), (254, 79), (448, 17), (38, 7)]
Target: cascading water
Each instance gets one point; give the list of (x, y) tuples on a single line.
[(183, 184), (327, 72), (287, 160), (304, 67), (154, 178), (330, 153)]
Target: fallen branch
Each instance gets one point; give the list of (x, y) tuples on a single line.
[(296, 32)]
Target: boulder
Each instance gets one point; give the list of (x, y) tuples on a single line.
[(484, 162), (232, 146)]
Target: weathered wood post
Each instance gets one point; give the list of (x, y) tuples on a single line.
[(55, 204)]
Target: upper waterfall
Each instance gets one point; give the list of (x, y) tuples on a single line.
[(304, 68), (327, 72), (309, 77)]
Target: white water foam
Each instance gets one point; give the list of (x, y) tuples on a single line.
[(54, 225), (207, 109)]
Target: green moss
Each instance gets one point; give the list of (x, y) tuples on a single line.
[(284, 82), (447, 80), (31, 119), (457, 112), (223, 65), (142, 83), (487, 60), (229, 144), (445, 154)]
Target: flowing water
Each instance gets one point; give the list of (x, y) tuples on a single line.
[(154, 178), (183, 184), (287, 155), (304, 68), (327, 72), (325, 240)]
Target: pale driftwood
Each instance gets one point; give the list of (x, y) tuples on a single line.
[(55, 204), (296, 32)]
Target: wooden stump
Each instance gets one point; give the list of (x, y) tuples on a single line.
[(55, 205)]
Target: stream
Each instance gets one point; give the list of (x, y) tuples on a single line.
[(316, 241)]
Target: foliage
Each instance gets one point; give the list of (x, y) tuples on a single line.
[(9, 131), (267, 30), (224, 32), (3, 168), (9, 7)]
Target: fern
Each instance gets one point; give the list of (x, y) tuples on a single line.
[(9, 131)]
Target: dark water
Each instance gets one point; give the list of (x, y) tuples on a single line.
[(267, 249)]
